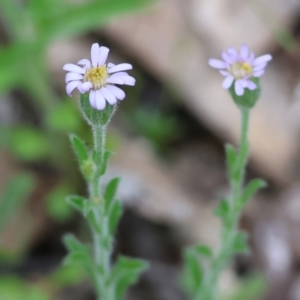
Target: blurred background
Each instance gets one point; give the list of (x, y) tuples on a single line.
[(168, 136)]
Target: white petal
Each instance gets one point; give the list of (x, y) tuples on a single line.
[(110, 65), (109, 96), (85, 62), (251, 85), (251, 58), (258, 73), (262, 59), (72, 86), (244, 51), (103, 53), (86, 86), (95, 54), (227, 82), (116, 91), (239, 90), (260, 66), (73, 68), (73, 76), (225, 56), (100, 100), (120, 74), (120, 67), (243, 82), (225, 73), (218, 64), (129, 80), (92, 99), (115, 80)]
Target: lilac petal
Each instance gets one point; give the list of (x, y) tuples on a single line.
[(251, 85), (120, 67), (109, 96), (243, 82), (71, 86), (244, 51), (100, 100), (95, 54), (115, 80), (73, 76), (103, 53), (258, 73), (92, 99), (260, 66), (73, 68), (239, 90), (262, 59), (225, 73), (86, 86), (120, 74), (218, 64), (85, 63), (232, 50), (251, 58), (129, 80), (227, 82), (110, 65), (116, 91), (225, 56)]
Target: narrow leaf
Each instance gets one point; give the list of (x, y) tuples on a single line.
[(110, 191), (106, 156), (77, 202), (115, 214), (240, 243), (251, 189), (222, 209), (79, 148)]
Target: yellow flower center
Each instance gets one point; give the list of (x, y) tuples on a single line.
[(240, 70), (97, 76)]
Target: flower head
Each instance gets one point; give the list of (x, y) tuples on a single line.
[(240, 67), (98, 78)]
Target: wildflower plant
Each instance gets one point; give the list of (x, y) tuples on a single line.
[(96, 82), (242, 71)]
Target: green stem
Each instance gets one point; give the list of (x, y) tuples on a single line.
[(229, 231)]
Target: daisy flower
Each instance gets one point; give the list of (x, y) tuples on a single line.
[(98, 78), (240, 67)]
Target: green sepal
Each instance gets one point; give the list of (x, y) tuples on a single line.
[(240, 243), (250, 190), (125, 272), (93, 116), (249, 98), (203, 250), (79, 148)]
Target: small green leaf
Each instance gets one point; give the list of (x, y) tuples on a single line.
[(240, 243), (72, 243), (77, 202), (15, 192), (106, 156), (110, 191), (251, 189), (192, 274), (203, 250), (125, 273), (222, 209), (79, 148), (115, 214)]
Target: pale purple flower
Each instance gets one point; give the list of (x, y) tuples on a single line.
[(98, 78), (240, 67)]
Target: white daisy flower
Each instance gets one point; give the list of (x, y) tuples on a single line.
[(240, 67), (98, 78)]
